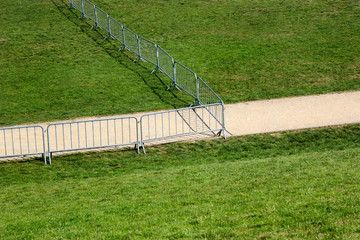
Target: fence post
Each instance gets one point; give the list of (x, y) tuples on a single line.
[(82, 8), (157, 56), (197, 88), (138, 42), (44, 149), (109, 31), (48, 141), (174, 71), (96, 18)]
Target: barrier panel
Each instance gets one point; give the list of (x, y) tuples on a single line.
[(89, 10), (166, 63), (186, 79), (102, 20), (181, 122), (116, 30), (148, 51), (77, 4), (131, 41), (92, 134), (22, 141)]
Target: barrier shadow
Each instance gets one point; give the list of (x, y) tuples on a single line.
[(158, 83)]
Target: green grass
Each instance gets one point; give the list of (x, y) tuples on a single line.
[(55, 67), (288, 185)]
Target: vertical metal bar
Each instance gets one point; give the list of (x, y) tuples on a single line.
[(129, 130), (100, 133), (20, 140), (86, 140), (5, 142), (35, 139), (202, 116), (162, 124), (96, 18), (49, 150), (183, 119), (71, 137), (175, 115), (12, 138), (78, 134), (109, 31), (196, 119), (169, 123), (63, 136), (122, 131), (93, 134), (174, 71), (56, 140), (189, 119), (137, 136), (148, 118), (155, 126), (82, 7), (115, 131), (44, 149), (122, 28), (157, 56), (27, 137), (138, 42), (107, 125)]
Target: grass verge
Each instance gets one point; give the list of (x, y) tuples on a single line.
[(290, 185)]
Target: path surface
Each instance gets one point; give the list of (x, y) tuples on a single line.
[(293, 113), (241, 119)]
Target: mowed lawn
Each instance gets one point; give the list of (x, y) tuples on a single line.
[(53, 66), (299, 185)]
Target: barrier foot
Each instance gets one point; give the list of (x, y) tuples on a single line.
[(44, 157), (155, 70), (137, 59), (173, 86), (143, 148), (121, 49)]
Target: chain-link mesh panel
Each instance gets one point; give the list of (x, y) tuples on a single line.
[(116, 30), (102, 19), (89, 10), (186, 79), (131, 41), (206, 94), (77, 4), (166, 63), (148, 50)]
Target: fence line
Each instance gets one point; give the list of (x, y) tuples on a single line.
[(145, 49), (204, 115)]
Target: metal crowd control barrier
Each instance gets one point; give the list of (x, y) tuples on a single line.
[(182, 77), (22, 141), (181, 122), (92, 134)]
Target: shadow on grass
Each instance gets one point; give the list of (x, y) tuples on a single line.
[(157, 84)]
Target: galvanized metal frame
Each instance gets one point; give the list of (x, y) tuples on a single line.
[(174, 124), (72, 147), (204, 99), (28, 152)]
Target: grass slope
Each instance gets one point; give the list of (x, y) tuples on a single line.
[(55, 67), (290, 185)]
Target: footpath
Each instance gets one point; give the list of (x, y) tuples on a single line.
[(293, 113), (244, 118)]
